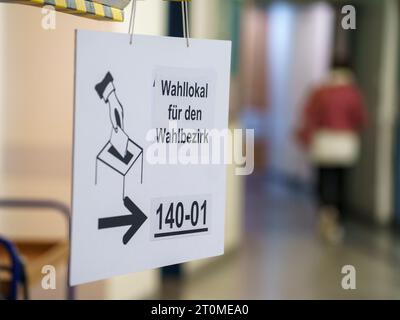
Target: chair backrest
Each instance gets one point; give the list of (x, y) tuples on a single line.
[(16, 269)]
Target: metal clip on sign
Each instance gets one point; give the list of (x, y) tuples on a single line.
[(185, 19)]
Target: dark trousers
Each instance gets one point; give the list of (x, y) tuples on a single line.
[(332, 188)]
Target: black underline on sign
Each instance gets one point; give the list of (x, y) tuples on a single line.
[(177, 233)]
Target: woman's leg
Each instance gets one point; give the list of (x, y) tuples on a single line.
[(327, 187), (329, 184), (342, 193), (320, 186)]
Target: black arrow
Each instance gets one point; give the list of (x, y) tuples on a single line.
[(135, 220)]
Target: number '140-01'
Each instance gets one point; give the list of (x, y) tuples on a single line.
[(176, 214)]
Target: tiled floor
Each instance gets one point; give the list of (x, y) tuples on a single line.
[(282, 256)]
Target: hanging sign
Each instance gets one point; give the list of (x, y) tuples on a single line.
[(148, 188)]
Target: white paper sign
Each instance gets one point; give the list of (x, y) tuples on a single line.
[(139, 201)]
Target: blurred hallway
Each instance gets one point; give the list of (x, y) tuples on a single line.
[(282, 52), (282, 256)]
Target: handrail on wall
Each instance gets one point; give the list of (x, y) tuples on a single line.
[(17, 270), (14, 203)]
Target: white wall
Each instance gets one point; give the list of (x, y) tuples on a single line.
[(387, 112), (281, 19), (311, 59), (299, 44), (204, 16)]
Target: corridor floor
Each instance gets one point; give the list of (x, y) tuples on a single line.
[(282, 257)]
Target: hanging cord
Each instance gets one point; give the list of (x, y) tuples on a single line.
[(132, 21), (185, 20)]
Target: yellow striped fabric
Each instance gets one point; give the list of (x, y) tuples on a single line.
[(117, 14), (98, 9), (84, 8), (80, 5), (61, 3)]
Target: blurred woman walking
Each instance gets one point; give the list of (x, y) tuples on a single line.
[(330, 130)]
